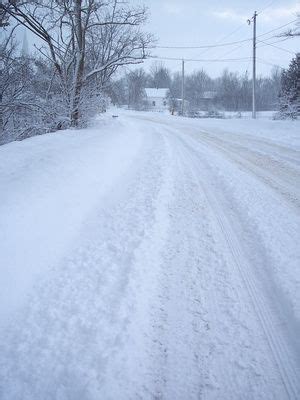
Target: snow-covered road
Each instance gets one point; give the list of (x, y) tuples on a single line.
[(150, 258)]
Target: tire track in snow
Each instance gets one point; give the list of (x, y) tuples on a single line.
[(169, 316), (258, 166), (182, 348), (194, 271), (280, 152), (280, 351), (282, 354), (288, 190)]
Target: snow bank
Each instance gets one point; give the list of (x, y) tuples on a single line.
[(48, 186)]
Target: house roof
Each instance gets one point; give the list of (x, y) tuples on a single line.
[(153, 92)]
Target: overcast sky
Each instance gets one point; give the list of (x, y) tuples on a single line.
[(205, 22), (202, 22)]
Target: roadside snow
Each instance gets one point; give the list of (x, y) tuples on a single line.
[(48, 186)]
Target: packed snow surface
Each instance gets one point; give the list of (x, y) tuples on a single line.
[(151, 257)]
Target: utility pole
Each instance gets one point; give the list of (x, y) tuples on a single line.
[(254, 65), (182, 90)]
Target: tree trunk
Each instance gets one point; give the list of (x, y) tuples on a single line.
[(75, 115), (79, 67)]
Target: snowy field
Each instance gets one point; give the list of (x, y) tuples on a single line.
[(151, 257)]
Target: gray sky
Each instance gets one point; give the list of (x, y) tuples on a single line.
[(200, 22)]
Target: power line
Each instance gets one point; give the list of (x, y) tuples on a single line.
[(262, 61), (231, 51), (231, 33), (224, 37), (260, 41), (269, 5), (276, 47), (228, 43), (204, 46), (201, 60), (236, 30), (276, 29), (277, 41)]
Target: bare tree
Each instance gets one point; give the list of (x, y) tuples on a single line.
[(85, 40), (292, 32), (136, 83), (196, 84), (15, 94), (160, 76)]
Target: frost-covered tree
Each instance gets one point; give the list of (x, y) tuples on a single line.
[(85, 41), (227, 86), (196, 84), (18, 101), (117, 91), (160, 76), (267, 89), (290, 90), (136, 83), (176, 83)]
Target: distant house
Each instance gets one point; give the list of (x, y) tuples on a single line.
[(157, 99), (207, 99)]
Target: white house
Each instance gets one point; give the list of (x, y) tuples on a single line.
[(157, 99)]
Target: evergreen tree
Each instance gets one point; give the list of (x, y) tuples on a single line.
[(290, 90)]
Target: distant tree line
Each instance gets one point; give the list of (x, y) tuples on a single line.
[(231, 91)]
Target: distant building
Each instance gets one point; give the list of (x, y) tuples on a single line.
[(157, 99), (206, 101)]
